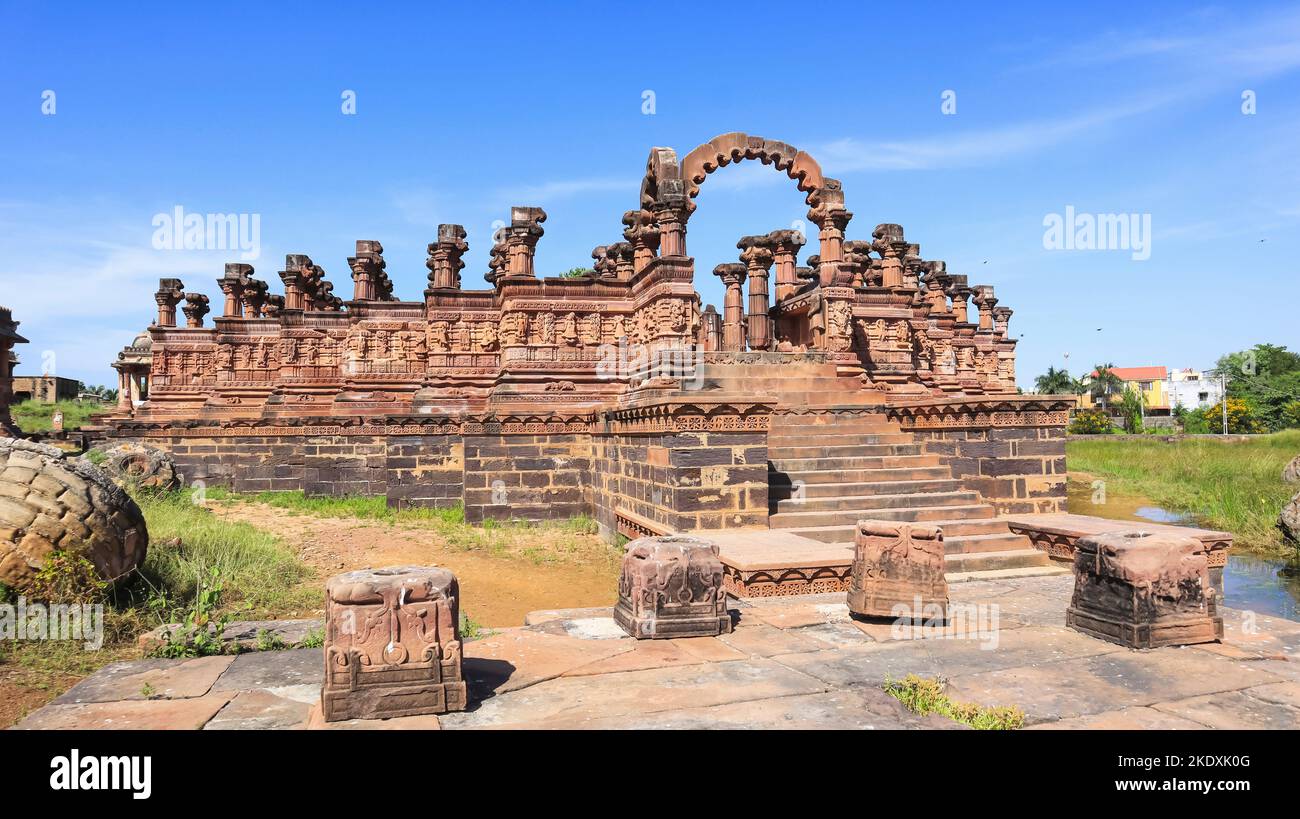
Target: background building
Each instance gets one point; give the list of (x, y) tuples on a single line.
[(45, 388)]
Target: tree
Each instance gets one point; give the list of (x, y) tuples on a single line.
[(1090, 422), (1130, 408), (1267, 378), (1056, 382), (1104, 384), (576, 272)]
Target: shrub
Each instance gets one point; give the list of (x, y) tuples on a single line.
[(1241, 418), (1090, 422), (66, 578)]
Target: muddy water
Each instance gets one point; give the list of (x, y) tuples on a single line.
[(1250, 582)]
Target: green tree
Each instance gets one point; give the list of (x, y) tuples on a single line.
[(1130, 408), (1105, 384), (1267, 378), (575, 273), (1056, 382)]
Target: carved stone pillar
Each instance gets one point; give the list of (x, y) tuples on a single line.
[(960, 293), (785, 246), (1001, 319), (254, 297), (935, 276), (985, 301), (521, 239), (292, 276), (445, 261), (643, 235), (232, 287), (123, 390), (170, 292), (756, 253), (733, 306), (710, 329), (888, 241), (831, 219), (670, 214), (366, 268), (624, 257), (196, 307)]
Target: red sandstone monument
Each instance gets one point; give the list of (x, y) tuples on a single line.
[(821, 393), (8, 338)]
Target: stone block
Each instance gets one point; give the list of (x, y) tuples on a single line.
[(898, 570), (392, 645), (1143, 590), (671, 587)]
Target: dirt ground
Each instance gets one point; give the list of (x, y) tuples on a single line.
[(498, 587)]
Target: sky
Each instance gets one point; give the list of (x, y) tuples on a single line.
[(972, 125)]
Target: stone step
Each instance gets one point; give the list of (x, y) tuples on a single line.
[(996, 561), (779, 489), (1051, 568), (843, 533), (992, 542), (866, 505), (839, 450), (857, 475), (854, 462), (793, 520), (813, 436)]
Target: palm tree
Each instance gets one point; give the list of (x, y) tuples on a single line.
[(1056, 382), (1104, 383)]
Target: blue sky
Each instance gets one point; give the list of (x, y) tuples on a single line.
[(464, 111)]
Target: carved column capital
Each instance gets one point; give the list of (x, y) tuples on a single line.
[(195, 308), (169, 294)]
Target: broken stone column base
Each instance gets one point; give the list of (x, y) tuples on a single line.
[(1143, 590), (671, 587), (898, 571)]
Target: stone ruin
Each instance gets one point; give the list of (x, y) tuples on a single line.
[(898, 572), (392, 644), (1143, 590), (8, 338), (616, 393), (671, 587)]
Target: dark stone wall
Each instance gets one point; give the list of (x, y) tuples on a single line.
[(1020, 470), (527, 477)]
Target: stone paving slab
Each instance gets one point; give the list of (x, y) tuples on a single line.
[(638, 692), (798, 662), (1106, 682), (859, 709), (129, 715), (148, 680)]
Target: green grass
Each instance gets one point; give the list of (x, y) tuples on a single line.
[(34, 416), (1235, 486), (256, 570), (925, 696)]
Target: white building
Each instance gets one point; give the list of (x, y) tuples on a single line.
[(1193, 389)]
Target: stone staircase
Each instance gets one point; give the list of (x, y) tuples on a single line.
[(826, 472)]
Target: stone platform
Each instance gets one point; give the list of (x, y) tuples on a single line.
[(782, 563), (794, 662), (1057, 534)]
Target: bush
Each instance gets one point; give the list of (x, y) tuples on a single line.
[(1090, 422), (1241, 418)]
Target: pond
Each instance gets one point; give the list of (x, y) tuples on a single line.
[(1250, 582)]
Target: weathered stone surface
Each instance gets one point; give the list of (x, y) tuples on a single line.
[(148, 680), (392, 647), (272, 669), (49, 503), (137, 465), (141, 715), (1291, 472), (1289, 519), (265, 711), (898, 571), (671, 587), (1143, 590), (1234, 710)]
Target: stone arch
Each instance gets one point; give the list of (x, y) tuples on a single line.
[(666, 176)]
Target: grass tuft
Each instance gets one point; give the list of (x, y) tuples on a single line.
[(925, 696)]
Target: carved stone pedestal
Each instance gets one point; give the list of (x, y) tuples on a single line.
[(1143, 590), (671, 587), (898, 571), (392, 647)]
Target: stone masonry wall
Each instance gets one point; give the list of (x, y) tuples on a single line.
[(1018, 470), (527, 477)]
